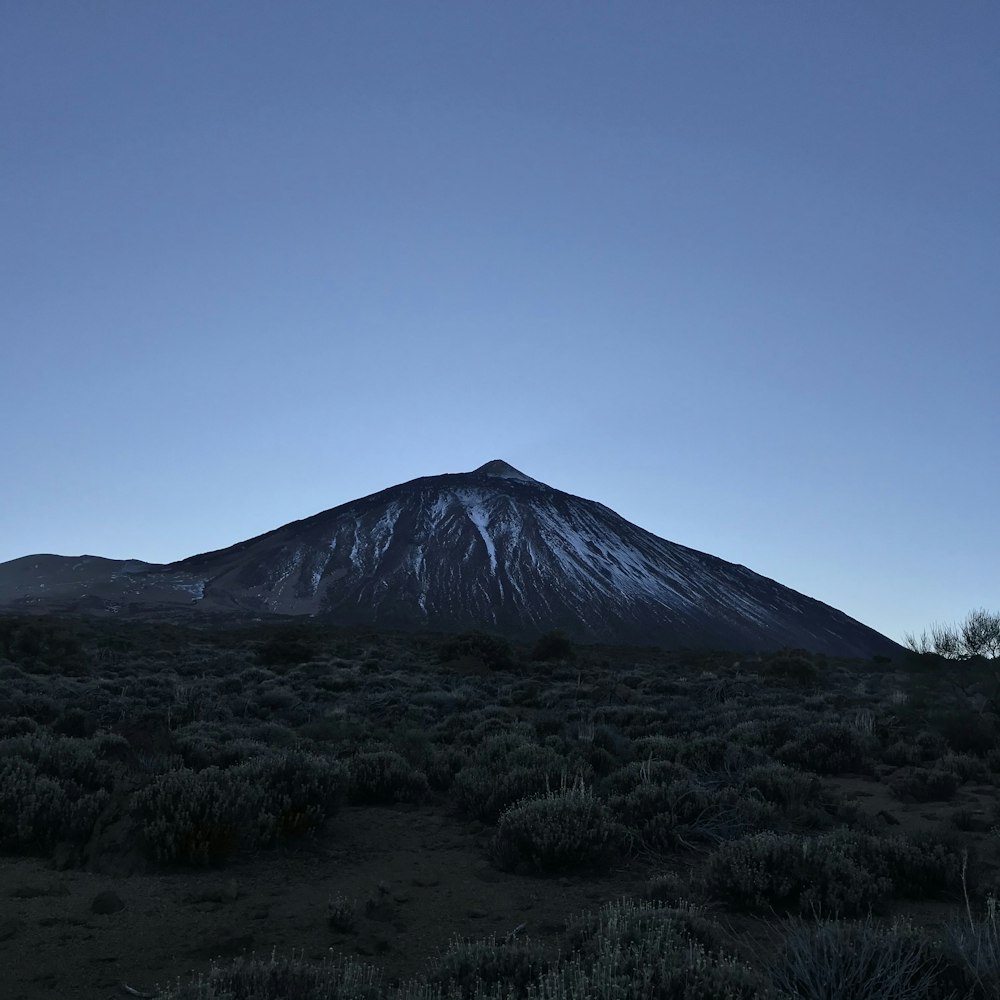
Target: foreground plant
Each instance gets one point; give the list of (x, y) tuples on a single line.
[(855, 961)]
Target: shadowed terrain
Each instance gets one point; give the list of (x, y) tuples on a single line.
[(313, 806)]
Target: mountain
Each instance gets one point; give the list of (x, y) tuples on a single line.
[(491, 549)]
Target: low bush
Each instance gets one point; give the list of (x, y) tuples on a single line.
[(564, 830), (473, 966), (38, 811), (17, 725), (637, 950), (504, 770), (202, 817), (787, 788), (974, 949), (708, 755), (830, 748), (902, 753), (856, 961), (279, 978), (683, 813), (195, 817), (342, 914), (967, 767), (787, 872), (922, 785), (629, 922), (644, 772), (841, 873), (382, 776), (917, 867), (65, 758)]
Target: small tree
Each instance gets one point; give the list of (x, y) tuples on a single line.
[(977, 635)]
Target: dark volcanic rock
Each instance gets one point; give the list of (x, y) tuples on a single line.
[(489, 549)]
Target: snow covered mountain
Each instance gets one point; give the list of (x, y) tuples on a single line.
[(491, 549)]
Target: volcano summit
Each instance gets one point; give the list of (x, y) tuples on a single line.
[(492, 549)]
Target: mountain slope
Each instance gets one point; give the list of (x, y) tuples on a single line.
[(493, 549)]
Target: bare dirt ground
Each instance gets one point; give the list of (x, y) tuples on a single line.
[(422, 872), (425, 873)]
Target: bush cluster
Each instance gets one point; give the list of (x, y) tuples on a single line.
[(383, 776), (38, 811), (507, 768), (52, 789), (785, 787), (918, 784), (564, 830), (663, 816), (859, 960), (829, 748), (472, 966), (841, 873), (792, 873), (636, 949), (202, 817)]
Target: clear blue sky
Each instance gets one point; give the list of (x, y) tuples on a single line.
[(730, 268)]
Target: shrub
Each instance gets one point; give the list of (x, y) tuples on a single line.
[(278, 978), (829, 748), (974, 947), (932, 745), (664, 816), (42, 645), (38, 811), (467, 966), (714, 756), (191, 816), (967, 768), (788, 872), (342, 914), (855, 961), (644, 923), (902, 753), (783, 786), (918, 867), (505, 770), (382, 776), (66, 759), (645, 772), (921, 785), (636, 950), (641, 973), (202, 817), (17, 725), (295, 793), (564, 830)]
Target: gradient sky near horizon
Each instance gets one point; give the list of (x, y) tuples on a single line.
[(729, 268)]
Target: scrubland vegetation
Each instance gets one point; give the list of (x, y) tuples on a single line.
[(163, 747)]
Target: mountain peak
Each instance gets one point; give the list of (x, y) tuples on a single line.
[(503, 470)]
